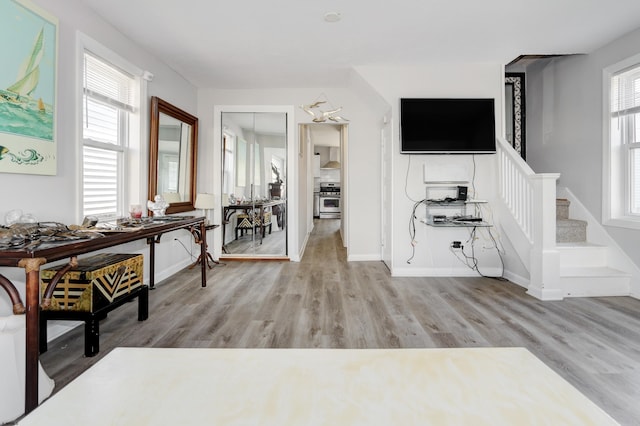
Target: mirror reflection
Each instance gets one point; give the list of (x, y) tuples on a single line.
[(172, 156), (254, 183), (174, 152)]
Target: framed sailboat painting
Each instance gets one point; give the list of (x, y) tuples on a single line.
[(28, 75)]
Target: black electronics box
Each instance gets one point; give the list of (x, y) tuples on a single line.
[(462, 193)]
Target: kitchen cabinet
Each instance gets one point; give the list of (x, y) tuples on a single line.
[(316, 165), (334, 154)]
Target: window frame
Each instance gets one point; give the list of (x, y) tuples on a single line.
[(131, 167), (616, 170), (229, 162)]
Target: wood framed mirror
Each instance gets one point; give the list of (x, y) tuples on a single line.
[(173, 148)]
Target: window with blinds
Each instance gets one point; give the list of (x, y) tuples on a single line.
[(109, 100), (625, 132), (228, 179)]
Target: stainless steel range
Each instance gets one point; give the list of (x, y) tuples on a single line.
[(330, 200)]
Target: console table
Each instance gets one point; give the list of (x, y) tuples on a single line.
[(208, 259), (32, 260)]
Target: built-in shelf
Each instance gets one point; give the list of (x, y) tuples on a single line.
[(447, 200), (457, 224)]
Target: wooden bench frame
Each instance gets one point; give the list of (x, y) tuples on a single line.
[(92, 319)]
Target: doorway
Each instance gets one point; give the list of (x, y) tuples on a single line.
[(327, 144)]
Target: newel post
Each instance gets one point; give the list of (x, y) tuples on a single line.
[(544, 258)]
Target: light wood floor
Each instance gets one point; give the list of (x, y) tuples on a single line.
[(272, 244), (325, 302)]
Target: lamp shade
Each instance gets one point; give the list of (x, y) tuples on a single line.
[(204, 201)]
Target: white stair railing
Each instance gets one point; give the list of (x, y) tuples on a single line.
[(530, 198), (516, 189)]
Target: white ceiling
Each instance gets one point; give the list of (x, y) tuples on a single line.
[(287, 43)]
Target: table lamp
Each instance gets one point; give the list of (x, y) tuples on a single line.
[(205, 202)]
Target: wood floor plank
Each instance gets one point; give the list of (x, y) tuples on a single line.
[(323, 301)]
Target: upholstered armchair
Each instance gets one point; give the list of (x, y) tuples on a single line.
[(12, 359)]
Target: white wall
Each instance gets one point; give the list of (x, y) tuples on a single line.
[(55, 198), (363, 159), (432, 255), (564, 126)]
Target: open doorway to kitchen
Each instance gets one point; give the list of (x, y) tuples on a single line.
[(327, 142)]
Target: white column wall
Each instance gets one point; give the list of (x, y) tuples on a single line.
[(461, 80), (363, 161)]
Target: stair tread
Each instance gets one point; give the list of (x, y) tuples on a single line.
[(578, 245), (592, 271), (570, 222)]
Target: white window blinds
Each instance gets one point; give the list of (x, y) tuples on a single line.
[(625, 92), (110, 97), (100, 178), (109, 84), (625, 132)]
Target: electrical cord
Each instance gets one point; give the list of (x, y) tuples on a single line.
[(406, 181), (501, 277), (193, 257), (471, 261), (412, 229), (185, 248), (473, 176)]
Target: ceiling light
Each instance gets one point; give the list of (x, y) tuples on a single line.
[(332, 17)]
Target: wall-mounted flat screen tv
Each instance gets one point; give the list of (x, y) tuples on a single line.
[(447, 126)]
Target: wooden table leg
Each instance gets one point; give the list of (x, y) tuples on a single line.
[(32, 348), (203, 254), (152, 262)]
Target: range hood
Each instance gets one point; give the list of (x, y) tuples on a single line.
[(332, 165)]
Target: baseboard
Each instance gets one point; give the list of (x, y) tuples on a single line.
[(303, 247), (444, 272), (363, 257), (517, 279), (163, 274), (542, 294)]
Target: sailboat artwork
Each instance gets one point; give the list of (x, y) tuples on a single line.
[(28, 156), (29, 72), (17, 101), (27, 89)]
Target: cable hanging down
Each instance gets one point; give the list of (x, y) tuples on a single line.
[(412, 229), (471, 261)]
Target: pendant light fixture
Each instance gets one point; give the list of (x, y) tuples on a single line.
[(321, 109)]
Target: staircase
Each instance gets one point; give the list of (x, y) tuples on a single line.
[(568, 230), (565, 257), (584, 267)]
